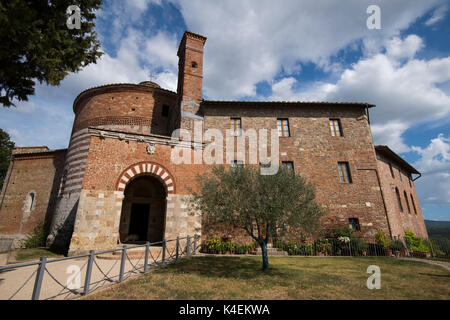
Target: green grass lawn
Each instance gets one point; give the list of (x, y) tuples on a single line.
[(289, 278), (22, 255)]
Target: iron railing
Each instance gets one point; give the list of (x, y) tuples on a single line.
[(429, 248), (333, 247), (96, 273)]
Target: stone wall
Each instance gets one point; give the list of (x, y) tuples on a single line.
[(29, 192), (315, 154), (112, 164), (411, 217)]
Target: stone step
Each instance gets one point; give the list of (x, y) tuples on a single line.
[(135, 253), (271, 251)]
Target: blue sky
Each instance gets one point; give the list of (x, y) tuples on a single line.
[(261, 50)]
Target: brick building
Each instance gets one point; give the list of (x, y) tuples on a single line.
[(118, 183)]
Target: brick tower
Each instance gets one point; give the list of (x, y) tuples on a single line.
[(190, 77)]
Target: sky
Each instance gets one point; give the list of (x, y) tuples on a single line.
[(290, 50)]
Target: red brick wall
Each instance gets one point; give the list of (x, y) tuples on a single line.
[(190, 77), (315, 154), (108, 158), (406, 219), (134, 110), (40, 174)]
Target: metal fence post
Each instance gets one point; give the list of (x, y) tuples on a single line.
[(195, 244), (188, 244), (122, 263), (147, 249), (431, 247), (178, 245), (163, 259), (87, 280), (39, 277)]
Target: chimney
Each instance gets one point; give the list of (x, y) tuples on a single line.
[(190, 77)]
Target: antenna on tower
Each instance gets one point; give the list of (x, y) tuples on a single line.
[(151, 76)]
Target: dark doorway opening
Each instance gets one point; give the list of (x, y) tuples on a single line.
[(143, 211), (139, 221)]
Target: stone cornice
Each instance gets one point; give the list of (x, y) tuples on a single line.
[(151, 139), (117, 87)]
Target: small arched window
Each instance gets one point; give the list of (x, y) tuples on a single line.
[(194, 64), (29, 201), (399, 200), (413, 203), (407, 202)]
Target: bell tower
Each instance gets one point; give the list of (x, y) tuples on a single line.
[(190, 78)]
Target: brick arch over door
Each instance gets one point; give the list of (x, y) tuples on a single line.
[(146, 168)]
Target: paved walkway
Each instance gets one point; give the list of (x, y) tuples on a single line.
[(443, 264), (12, 280)]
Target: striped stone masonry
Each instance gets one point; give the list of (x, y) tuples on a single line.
[(146, 168)]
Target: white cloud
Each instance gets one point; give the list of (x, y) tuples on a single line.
[(401, 49), (404, 93), (438, 14), (250, 41), (434, 164), (161, 50), (390, 133)]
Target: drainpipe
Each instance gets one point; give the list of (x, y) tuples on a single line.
[(5, 184)]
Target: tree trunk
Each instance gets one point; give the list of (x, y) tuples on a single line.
[(265, 259)]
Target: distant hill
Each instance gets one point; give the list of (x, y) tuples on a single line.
[(438, 229)]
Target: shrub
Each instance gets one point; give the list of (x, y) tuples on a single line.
[(397, 245), (416, 244), (383, 240), (323, 246), (217, 245), (339, 231), (37, 238), (360, 244)]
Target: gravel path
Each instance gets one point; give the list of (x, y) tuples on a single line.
[(443, 264), (12, 280)]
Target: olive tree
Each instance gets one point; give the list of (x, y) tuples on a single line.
[(261, 205)]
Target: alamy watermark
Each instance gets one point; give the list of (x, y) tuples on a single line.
[(74, 280), (74, 18), (374, 19), (374, 281), (209, 147)]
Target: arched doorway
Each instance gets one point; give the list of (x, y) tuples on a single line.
[(143, 210)]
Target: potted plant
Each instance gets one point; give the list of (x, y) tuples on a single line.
[(383, 240), (418, 246), (361, 246), (323, 247), (398, 247)]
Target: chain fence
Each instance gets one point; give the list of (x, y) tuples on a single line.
[(86, 273)]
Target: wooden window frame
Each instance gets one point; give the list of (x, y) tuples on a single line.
[(235, 128), (283, 122), (336, 132), (345, 175), (286, 164)]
